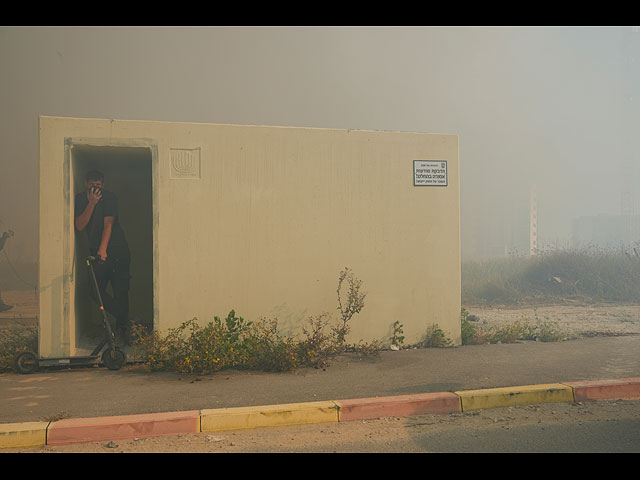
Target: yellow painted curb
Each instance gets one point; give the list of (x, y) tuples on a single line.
[(239, 418), (509, 396), (27, 434)]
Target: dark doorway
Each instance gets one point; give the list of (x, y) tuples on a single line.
[(128, 173)]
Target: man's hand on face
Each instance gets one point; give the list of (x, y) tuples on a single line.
[(94, 195)]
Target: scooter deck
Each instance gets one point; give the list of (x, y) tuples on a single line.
[(55, 362)]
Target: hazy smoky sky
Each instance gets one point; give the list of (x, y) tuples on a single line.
[(558, 107)]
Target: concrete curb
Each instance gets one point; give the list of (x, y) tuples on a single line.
[(26, 434), (80, 430), (511, 396), (606, 389), (398, 406), (240, 418)]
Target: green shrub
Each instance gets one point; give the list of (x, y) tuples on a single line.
[(353, 304), (508, 333), (435, 337), (545, 330), (266, 349), (469, 332), (397, 337), (548, 332), (236, 343), (318, 346), (232, 343)]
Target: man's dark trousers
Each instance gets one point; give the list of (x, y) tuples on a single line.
[(115, 270)]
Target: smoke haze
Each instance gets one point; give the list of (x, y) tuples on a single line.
[(554, 107)]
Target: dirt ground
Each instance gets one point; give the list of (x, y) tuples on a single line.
[(579, 320), (24, 303), (585, 320)]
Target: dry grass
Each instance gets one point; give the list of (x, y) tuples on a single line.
[(550, 277)]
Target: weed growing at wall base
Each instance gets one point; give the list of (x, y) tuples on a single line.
[(397, 337), (469, 332), (435, 337), (237, 343), (232, 343)]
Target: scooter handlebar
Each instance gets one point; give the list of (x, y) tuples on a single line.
[(91, 259)]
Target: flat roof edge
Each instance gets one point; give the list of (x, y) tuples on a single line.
[(348, 130)]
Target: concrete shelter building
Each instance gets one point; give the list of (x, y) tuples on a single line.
[(258, 219)]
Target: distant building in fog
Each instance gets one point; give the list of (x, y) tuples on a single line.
[(509, 229), (605, 231), (533, 220)]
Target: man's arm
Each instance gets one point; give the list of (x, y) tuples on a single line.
[(106, 236), (82, 220)]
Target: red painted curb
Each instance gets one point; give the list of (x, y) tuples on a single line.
[(77, 430), (606, 389), (398, 406)]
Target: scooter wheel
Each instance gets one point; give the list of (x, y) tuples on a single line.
[(27, 362), (113, 358)]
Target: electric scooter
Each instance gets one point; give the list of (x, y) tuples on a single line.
[(112, 357)]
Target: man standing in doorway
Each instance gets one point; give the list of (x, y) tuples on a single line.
[(96, 211)]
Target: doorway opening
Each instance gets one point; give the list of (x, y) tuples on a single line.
[(128, 174)]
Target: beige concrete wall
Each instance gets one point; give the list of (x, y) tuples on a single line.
[(263, 219)]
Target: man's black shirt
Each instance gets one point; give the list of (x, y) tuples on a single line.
[(106, 207)]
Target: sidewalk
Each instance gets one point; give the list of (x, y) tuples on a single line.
[(88, 393)]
